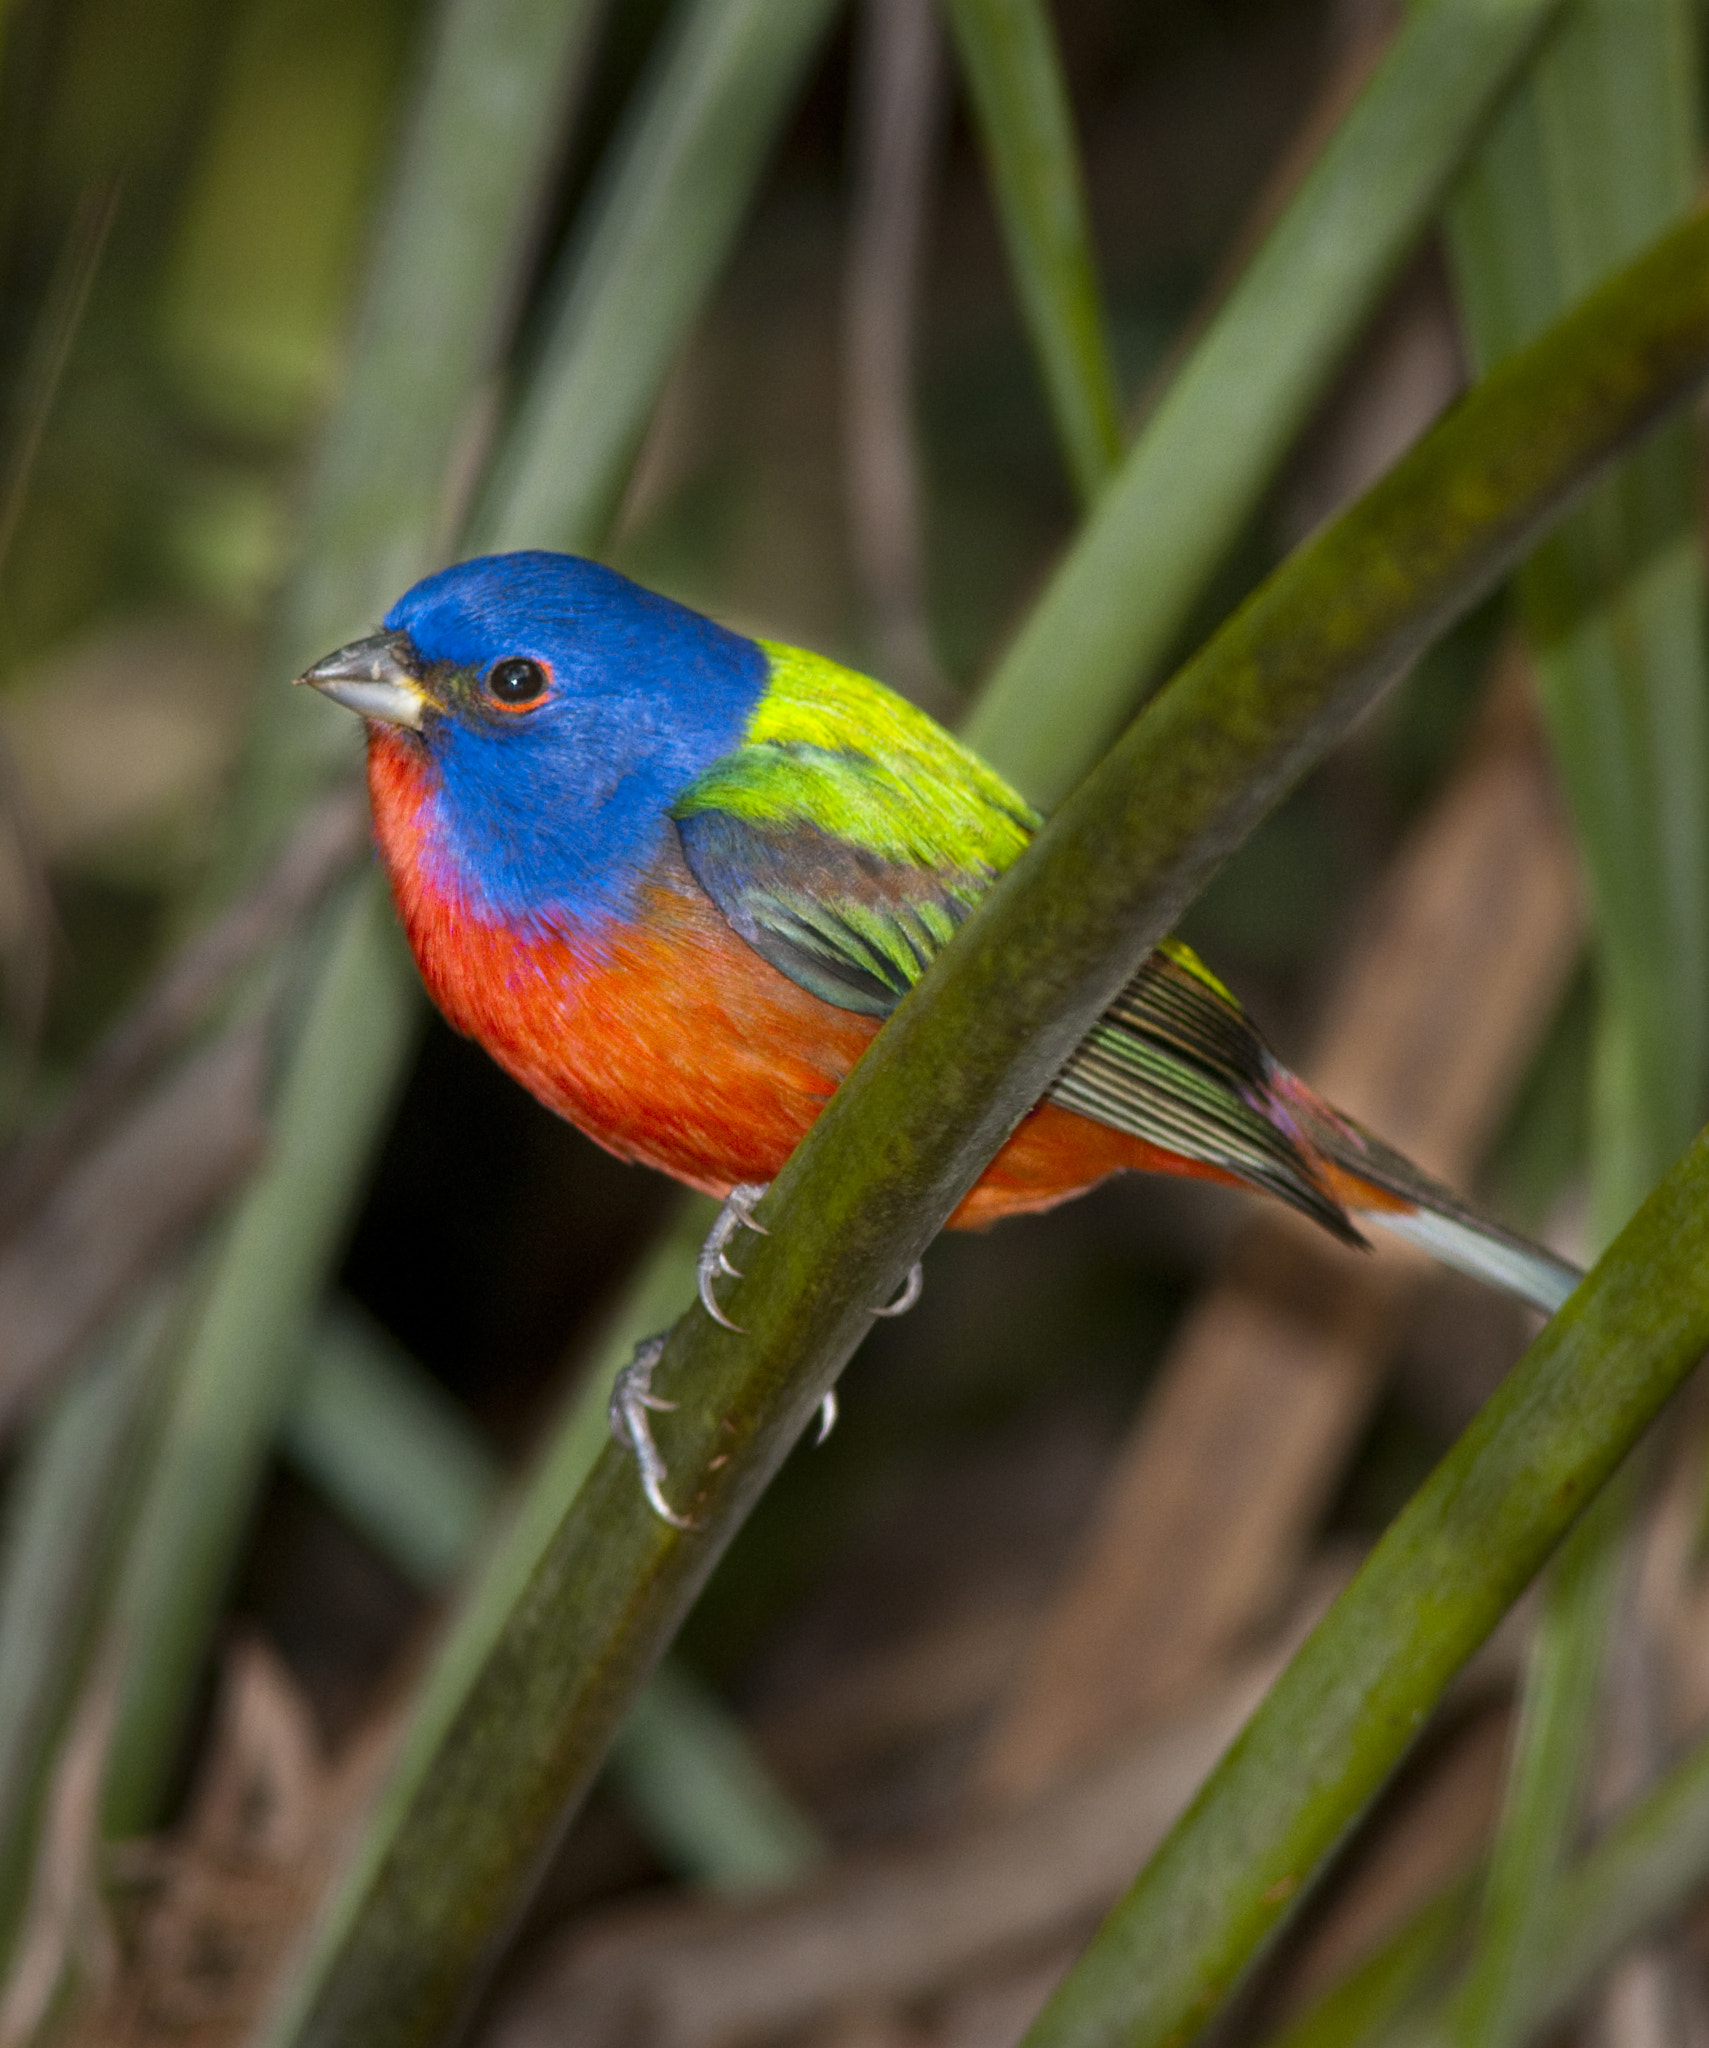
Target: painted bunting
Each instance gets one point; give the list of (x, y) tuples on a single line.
[(673, 879)]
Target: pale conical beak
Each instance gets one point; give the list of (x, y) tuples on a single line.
[(374, 677)]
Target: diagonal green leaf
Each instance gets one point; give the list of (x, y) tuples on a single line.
[(279, 1244), (1123, 592), (1545, 1795), (1026, 125), (482, 137), (372, 1432), (520, 1713), (224, 1409), (1593, 158), (64, 1509), (1593, 155), (659, 229)]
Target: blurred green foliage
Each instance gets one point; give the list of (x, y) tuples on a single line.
[(169, 496)]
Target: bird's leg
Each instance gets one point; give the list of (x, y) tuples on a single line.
[(736, 1214), (631, 1397)]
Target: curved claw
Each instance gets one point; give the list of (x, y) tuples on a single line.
[(631, 1397), (736, 1214), (912, 1288), (827, 1416)]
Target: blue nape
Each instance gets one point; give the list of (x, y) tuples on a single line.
[(563, 808)]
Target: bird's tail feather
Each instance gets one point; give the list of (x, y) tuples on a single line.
[(1486, 1252), (1176, 1063), (1378, 1185)]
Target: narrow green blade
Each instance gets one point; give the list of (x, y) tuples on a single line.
[(659, 229), (372, 1432), (238, 1371), (1195, 475), (1593, 158), (1026, 124)]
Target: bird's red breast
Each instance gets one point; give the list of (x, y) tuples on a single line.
[(665, 1037)]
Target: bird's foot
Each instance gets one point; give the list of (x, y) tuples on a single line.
[(912, 1288), (632, 1397), (736, 1214)]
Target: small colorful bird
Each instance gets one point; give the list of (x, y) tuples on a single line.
[(673, 879)]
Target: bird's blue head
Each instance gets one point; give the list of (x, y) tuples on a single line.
[(559, 709)]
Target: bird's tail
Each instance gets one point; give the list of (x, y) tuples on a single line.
[(1375, 1184)]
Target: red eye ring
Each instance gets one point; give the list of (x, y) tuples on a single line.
[(518, 682)]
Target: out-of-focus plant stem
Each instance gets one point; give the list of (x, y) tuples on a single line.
[(453, 233), (1026, 125), (378, 1439), (1594, 154), (1592, 159), (897, 103), (659, 227), (1637, 1874), (498, 83), (272, 1256), (1211, 447), (1544, 1801), (658, 231), (1376, 1998), (485, 1779), (64, 1510)]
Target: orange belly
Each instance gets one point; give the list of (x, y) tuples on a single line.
[(670, 1041)]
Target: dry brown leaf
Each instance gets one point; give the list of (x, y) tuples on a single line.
[(216, 1905)]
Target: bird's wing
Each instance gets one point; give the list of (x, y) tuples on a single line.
[(1176, 1061), (847, 840), (849, 835)]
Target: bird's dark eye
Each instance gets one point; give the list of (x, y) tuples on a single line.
[(517, 682)]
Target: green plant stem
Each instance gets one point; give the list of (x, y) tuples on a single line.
[(187, 1537), (1348, 1706), (376, 1437), (1545, 1794), (1596, 155), (229, 1393), (1373, 2001), (482, 137), (382, 1442), (659, 229), (1197, 472), (1026, 125), (518, 1730), (64, 1508)]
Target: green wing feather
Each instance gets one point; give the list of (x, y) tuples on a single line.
[(848, 837), (849, 834)]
